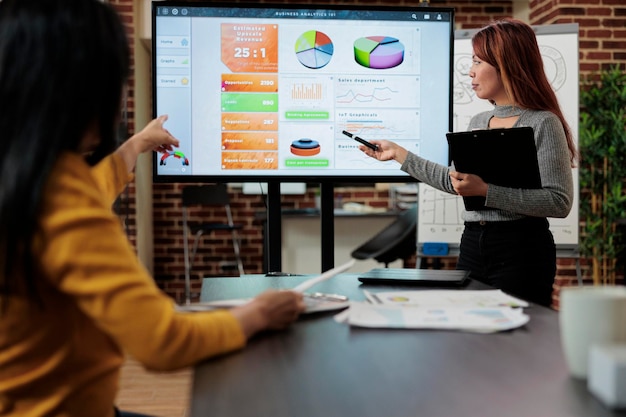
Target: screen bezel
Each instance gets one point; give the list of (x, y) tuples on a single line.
[(398, 176)]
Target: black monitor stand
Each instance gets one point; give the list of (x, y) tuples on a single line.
[(274, 226)]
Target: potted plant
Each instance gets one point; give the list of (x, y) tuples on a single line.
[(602, 146)]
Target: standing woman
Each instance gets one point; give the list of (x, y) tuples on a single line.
[(74, 298), (508, 245)]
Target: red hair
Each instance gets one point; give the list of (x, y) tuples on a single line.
[(510, 46)]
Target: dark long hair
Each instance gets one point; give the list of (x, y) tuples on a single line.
[(63, 64), (510, 46)]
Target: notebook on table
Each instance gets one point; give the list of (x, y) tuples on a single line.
[(505, 157)]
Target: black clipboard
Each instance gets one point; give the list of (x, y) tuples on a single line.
[(505, 157)]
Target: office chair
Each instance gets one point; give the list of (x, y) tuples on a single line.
[(206, 195), (396, 241)]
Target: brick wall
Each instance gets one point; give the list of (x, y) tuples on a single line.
[(602, 43), (602, 23), (216, 249)]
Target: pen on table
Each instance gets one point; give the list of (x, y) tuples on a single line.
[(372, 298), (281, 274)]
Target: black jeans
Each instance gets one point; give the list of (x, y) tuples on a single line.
[(518, 257)]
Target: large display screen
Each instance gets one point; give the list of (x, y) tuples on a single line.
[(261, 92)]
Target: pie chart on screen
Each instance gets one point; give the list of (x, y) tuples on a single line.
[(314, 49), (378, 52)]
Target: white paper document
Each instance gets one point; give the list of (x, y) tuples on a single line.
[(482, 311), (472, 319), (446, 298)]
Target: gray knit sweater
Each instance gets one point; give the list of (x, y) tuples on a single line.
[(555, 197)]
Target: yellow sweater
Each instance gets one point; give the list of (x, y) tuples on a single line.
[(64, 359)]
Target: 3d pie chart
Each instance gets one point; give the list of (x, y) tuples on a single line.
[(314, 49), (378, 52)]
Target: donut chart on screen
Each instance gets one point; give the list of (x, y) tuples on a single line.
[(314, 49), (378, 52)]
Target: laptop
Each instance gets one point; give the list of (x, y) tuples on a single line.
[(417, 277), (506, 157)]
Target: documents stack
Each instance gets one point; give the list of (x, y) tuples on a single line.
[(483, 311)]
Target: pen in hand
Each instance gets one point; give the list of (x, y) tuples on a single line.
[(361, 140)]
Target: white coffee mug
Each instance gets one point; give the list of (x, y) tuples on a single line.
[(590, 315)]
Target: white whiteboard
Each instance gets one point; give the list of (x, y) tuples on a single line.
[(439, 215)]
